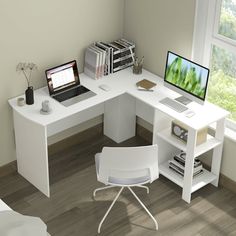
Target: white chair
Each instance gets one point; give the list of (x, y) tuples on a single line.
[(127, 167)]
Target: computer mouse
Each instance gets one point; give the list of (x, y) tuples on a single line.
[(104, 87), (189, 113)]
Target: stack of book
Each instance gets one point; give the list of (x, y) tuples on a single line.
[(177, 164), (102, 59)]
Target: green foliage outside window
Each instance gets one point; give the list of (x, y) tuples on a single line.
[(222, 92), (222, 83), (227, 26)]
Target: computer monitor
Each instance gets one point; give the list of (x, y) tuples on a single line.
[(186, 78)]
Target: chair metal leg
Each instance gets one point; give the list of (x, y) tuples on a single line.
[(99, 189), (156, 225), (142, 186), (109, 209)]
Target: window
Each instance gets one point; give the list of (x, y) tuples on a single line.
[(222, 82), (226, 21), (219, 52)]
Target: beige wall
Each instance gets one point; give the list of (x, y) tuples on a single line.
[(157, 26), (228, 159), (47, 33)]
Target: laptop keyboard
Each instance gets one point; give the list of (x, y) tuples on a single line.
[(71, 93)]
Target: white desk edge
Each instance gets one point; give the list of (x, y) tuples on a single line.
[(120, 83)]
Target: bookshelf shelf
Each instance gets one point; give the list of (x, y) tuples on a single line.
[(210, 143), (198, 182), (202, 180), (170, 174)]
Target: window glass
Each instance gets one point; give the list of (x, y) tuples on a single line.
[(227, 21), (222, 83)]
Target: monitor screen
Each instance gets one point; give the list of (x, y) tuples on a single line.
[(186, 77), (62, 77)]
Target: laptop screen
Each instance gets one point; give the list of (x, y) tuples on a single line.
[(62, 77)]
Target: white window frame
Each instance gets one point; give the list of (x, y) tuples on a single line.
[(207, 13), (216, 26)]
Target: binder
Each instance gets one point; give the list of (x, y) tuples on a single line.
[(99, 60), (91, 63), (111, 56), (107, 57), (102, 59)]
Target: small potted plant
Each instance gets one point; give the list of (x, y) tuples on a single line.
[(26, 69)]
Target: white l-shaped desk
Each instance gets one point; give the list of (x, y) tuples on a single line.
[(120, 107)]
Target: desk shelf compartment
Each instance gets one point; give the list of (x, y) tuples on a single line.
[(198, 182), (210, 143)]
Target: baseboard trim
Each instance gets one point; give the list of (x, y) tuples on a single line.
[(144, 133), (227, 183), (75, 139), (8, 168), (75, 130)]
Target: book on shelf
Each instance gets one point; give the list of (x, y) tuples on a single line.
[(91, 66), (100, 59), (107, 57), (172, 167), (180, 157), (197, 163), (145, 84), (177, 163), (180, 166), (110, 69)]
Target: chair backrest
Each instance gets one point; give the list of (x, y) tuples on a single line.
[(130, 165)]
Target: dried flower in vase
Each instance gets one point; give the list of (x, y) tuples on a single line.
[(26, 69)]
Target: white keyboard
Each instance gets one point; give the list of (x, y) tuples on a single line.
[(174, 105)]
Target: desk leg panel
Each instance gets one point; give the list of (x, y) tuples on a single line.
[(32, 152), (189, 165), (217, 152), (120, 118)]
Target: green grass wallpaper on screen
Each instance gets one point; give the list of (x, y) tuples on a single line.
[(186, 75)]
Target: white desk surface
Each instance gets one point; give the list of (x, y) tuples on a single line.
[(120, 83)]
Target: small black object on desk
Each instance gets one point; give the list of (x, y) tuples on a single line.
[(29, 95)]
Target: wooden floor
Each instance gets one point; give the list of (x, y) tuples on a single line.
[(71, 210)]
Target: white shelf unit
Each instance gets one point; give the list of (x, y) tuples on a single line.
[(170, 145), (211, 142)]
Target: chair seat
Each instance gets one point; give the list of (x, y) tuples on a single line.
[(129, 181)]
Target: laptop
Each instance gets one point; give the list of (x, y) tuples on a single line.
[(64, 84)]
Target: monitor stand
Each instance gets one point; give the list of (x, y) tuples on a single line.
[(183, 100)]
